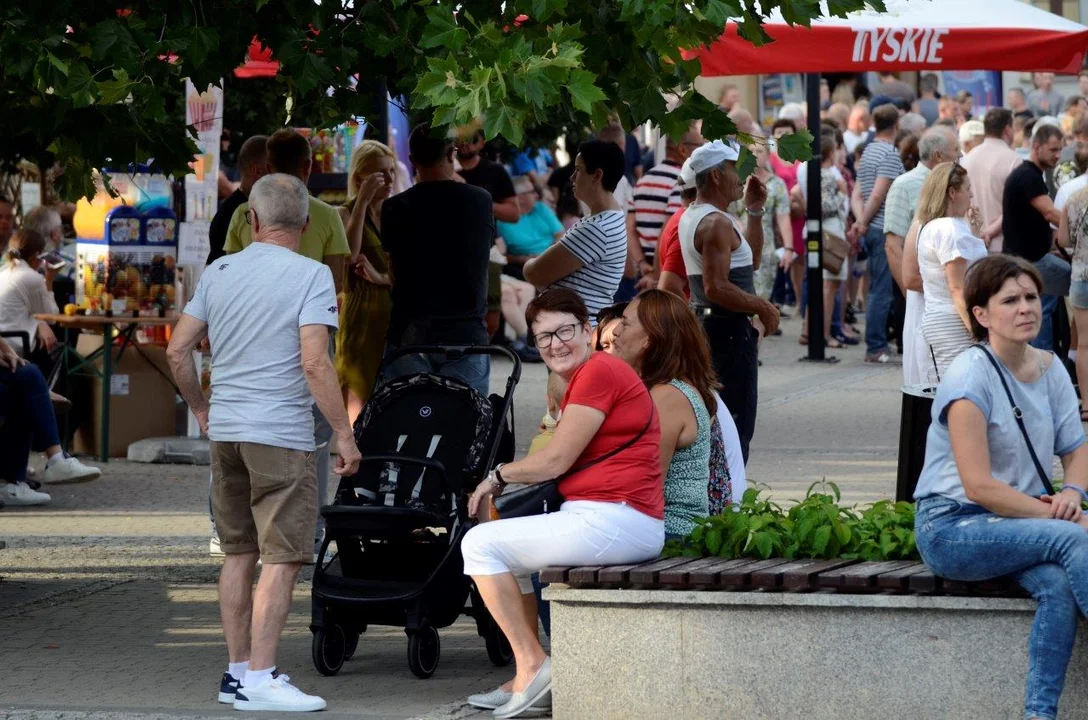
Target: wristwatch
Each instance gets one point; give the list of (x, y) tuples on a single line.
[(757, 213), (495, 477)]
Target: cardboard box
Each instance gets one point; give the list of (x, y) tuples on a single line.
[(143, 401)]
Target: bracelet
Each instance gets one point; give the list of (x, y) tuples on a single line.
[(1082, 491), (496, 477), (756, 213)]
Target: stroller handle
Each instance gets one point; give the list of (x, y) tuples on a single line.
[(406, 459), (456, 352)]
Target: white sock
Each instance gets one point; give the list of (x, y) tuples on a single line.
[(256, 677), (59, 455), (238, 670)]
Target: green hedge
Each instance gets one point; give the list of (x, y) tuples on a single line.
[(817, 527)]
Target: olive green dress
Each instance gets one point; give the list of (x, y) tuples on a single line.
[(364, 320)]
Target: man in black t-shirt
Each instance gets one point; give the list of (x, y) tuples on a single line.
[(492, 177), (253, 165), (1027, 213), (438, 235)]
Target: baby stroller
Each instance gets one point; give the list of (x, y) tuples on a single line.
[(426, 441)]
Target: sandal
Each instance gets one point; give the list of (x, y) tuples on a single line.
[(833, 344), (1083, 419)]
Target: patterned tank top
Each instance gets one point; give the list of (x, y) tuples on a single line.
[(689, 472)]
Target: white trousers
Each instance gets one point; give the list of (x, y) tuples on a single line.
[(583, 532)]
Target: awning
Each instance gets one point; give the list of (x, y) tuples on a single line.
[(912, 35)]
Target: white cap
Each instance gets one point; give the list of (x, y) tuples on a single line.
[(713, 154), (1045, 120), (687, 176), (970, 130)]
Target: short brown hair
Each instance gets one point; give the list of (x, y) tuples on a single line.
[(289, 152), (986, 278), (885, 117), (996, 120), (678, 348), (559, 300)]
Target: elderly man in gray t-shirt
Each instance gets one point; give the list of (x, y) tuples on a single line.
[(268, 313)]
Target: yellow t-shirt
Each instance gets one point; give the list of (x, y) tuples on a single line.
[(325, 235)]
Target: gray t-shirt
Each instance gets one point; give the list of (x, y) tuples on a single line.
[(1051, 415), (254, 303)]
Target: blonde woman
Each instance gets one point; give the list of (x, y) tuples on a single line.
[(948, 243), (24, 293), (364, 315)]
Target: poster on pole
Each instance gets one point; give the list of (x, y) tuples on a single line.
[(984, 86), (204, 112)]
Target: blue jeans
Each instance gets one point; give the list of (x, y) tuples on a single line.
[(30, 424), (473, 370), (836, 309), (878, 304), (1049, 559), (1045, 339)]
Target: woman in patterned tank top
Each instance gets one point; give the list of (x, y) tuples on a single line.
[(662, 340)]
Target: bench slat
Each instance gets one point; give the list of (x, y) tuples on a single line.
[(899, 579), (741, 576), (617, 574), (803, 576), (554, 574), (647, 574), (925, 582), (707, 576), (581, 576), (680, 576)]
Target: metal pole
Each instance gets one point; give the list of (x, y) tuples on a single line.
[(813, 228)]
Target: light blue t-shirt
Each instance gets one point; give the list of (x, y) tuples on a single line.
[(1051, 415), (533, 233), (254, 303)]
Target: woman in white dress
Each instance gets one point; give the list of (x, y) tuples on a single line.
[(948, 243)]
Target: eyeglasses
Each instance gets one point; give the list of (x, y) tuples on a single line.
[(565, 333)]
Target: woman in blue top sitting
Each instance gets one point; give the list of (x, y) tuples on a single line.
[(983, 506)]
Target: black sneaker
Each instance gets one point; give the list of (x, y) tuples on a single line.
[(228, 688)]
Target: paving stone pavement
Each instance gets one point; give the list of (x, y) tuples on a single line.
[(107, 595)]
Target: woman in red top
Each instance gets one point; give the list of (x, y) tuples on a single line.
[(613, 511)]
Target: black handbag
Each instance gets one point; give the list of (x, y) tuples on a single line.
[(544, 497), (1019, 415)]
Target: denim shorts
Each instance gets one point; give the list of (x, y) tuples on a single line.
[(1078, 294)]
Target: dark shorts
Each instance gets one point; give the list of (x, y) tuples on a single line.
[(494, 287)]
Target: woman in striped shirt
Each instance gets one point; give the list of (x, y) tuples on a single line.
[(948, 244)]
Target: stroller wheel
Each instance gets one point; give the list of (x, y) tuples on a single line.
[(424, 649), (351, 643), (329, 649), (498, 647)]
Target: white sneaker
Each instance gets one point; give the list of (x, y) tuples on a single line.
[(20, 494), (69, 470), (276, 694), (213, 548), (31, 472)]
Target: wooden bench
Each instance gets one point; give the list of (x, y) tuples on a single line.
[(820, 639), (840, 576)]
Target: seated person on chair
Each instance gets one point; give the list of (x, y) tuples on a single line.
[(534, 232), (24, 293)]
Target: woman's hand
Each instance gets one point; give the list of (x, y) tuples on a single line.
[(9, 359), (366, 270), (787, 259), (1065, 505), (483, 491), (974, 219), (46, 337), (371, 185)]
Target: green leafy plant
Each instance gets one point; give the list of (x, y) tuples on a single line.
[(88, 84), (817, 527)]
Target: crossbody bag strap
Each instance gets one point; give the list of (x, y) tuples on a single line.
[(615, 451), (1019, 415)]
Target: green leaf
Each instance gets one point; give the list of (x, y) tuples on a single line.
[(714, 541), (111, 40), (116, 90), (820, 540), (583, 92), (442, 31), (60, 65), (795, 146), (260, 4), (763, 544), (81, 87), (202, 42), (502, 121)]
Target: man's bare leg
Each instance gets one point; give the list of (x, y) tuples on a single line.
[(271, 604), (236, 602)]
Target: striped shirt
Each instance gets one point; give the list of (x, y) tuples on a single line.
[(880, 160), (656, 198), (902, 201), (600, 242)]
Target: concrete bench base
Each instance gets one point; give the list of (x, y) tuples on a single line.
[(680, 655)]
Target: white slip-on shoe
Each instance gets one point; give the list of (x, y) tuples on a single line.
[(20, 494), (69, 470), (276, 694), (525, 702), (490, 700)]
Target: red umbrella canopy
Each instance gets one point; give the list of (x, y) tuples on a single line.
[(912, 35)]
